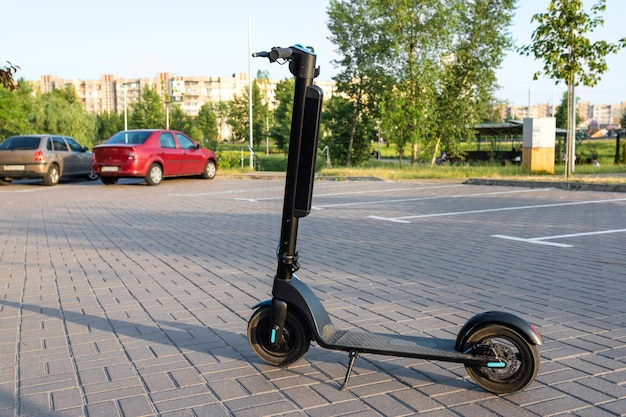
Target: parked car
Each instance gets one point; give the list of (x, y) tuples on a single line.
[(43, 156), (152, 154)]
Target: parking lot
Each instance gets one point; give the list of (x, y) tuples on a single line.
[(133, 300)]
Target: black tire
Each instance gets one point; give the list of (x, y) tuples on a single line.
[(108, 180), (52, 176), (210, 170), (295, 342), (154, 176), (504, 343), (5, 181)]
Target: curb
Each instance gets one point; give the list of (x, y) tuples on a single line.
[(563, 185)]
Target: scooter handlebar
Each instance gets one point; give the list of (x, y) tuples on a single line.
[(262, 54), (301, 59), (275, 54)]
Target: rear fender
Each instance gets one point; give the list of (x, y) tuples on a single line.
[(529, 332)]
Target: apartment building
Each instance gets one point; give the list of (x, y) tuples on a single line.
[(602, 114), (111, 93)]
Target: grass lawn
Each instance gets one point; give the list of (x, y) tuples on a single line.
[(390, 168)]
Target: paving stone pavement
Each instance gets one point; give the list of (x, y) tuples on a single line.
[(130, 300)]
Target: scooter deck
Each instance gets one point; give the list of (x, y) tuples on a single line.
[(429, 348)]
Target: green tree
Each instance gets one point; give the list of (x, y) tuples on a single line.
[(419, 34), (148, 112), (281, 129), (337, 110), (427, 66), (568, 55), (221, 110), (206, 123), (15, 109), (467, 73), (396, 128), (7, 76), (179, 120), (561, 113), (107, 124), (444, 56), (355, 30), (60, 112), (239, 119)]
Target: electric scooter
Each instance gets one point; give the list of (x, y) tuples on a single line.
[(499, 350)]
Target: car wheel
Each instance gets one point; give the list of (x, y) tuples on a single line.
[(5, 181), (108, 180), (52, 176), (209, 170), (92, 176), (154, 175)]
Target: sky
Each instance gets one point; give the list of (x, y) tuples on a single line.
[(81, 39)]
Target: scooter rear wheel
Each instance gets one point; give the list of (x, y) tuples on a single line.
[(292, 348), (506, 345)]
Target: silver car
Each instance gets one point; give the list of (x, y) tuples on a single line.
[(43, 156)]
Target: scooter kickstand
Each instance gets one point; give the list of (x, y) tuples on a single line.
[(353, 356)]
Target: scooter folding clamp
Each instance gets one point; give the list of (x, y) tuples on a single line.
[(292, 261)]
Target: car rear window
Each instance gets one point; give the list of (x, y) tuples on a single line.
[(132, 138), (20, 142)]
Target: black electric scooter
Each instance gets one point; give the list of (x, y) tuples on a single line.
[(499, 350)]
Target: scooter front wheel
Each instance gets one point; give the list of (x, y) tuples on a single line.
[(516, 361), (292, 348)]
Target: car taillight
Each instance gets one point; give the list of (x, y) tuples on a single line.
[(131, 155), (39, 157)]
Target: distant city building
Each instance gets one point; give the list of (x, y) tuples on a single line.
[(112, 93), (602, 114)]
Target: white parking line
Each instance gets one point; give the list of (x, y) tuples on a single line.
[(544, 239), (24, 191), (243, 190), (402, 200), (252, 200), (404, 219)]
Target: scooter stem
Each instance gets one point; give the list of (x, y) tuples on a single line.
[(302, 66)]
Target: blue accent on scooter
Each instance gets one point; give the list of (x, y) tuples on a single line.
[(496, 365)]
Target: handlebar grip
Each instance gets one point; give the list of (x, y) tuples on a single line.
[(277, 53), (262, 54)]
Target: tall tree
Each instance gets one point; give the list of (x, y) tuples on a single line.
[(239, 119), (148, 112), (467, 72), (179, 120), (419, 33), (355, 31), (221, 110), (568, 55), (281, 128), (107, 124), (337, 110), (15, 109), (60, 112), (443, 59), (561, 113), (206, 123)]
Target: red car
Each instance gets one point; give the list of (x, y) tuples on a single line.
[(152, 154)]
